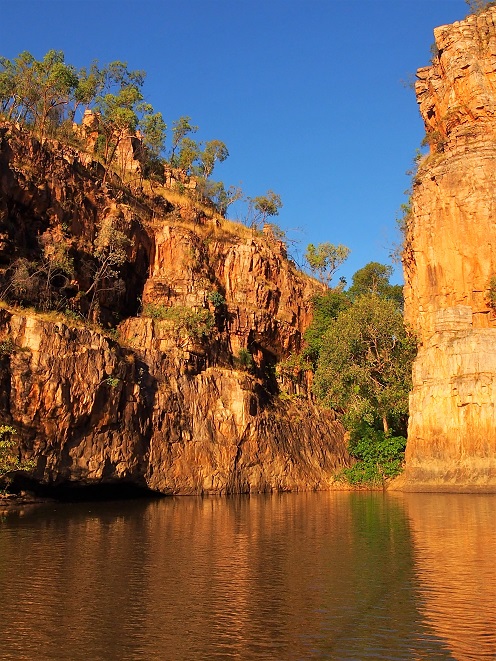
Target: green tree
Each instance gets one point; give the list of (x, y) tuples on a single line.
[(117, 118), (91, 83), (37, 91), (189, 153), (214, 151), (223, 198), (266, 205), (325, 259), (326, 309), (364, 368), (373, 278), (180, 129), (10, 461), (7, 86), (55, 81), (120, 109), (110, 251), (154, 131)]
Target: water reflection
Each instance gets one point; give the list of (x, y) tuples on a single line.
[(292, 576), (455, 554)]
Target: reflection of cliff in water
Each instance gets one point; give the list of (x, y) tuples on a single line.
[(290, 576), (455, 554)]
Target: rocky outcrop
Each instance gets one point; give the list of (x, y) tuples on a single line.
[(449, 261), (181, 395)]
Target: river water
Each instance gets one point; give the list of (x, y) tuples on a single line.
[(280, 577)]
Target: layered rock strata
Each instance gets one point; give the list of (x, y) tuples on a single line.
[(450, 263), (181, 396)]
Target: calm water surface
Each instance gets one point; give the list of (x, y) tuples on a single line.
[(282, 577)]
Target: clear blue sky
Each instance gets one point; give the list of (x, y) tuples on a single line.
[(306, 94)]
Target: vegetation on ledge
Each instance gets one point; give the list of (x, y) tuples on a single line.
[(356, 347)]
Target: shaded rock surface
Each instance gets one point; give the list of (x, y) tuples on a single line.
[(157, 402), (449, 260)]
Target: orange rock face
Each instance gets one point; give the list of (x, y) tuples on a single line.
[(449, 260), (169, 405)]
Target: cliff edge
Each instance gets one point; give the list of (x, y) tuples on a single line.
[(180, 394), (449, 263)]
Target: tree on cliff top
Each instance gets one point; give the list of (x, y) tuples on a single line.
[(37, 91), (181, 128), (261, 207), (478, 6), (120, 111), (325, 259), (46, 95), (213, 152)]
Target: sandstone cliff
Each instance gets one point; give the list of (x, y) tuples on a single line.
[(180, 394), (449, 261)]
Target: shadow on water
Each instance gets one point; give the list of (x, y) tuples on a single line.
[(76, 492), (287, 577)]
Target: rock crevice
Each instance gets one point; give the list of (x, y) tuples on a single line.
[(163, 401)]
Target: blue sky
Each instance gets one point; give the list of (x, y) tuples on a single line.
[(306, 94)]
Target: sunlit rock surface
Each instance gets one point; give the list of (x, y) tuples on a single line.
[(449, 260), (155, 404)]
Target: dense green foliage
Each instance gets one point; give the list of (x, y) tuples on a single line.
[(245, 359), (364, 365), (380, 456), (326, 309), (216, 298), (373, 278), (361, 355)]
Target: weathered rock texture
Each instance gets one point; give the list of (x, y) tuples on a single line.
[(162, 403), (449, 260)]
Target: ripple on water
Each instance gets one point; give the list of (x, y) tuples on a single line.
[(285, 577)]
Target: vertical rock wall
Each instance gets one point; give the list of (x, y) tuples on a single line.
[(449, 260), (164, 401)]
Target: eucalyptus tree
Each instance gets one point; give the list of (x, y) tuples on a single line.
[(214, 151), (181, 128), (261, 207), (37, 91), (7, 86), (56, 82), (325, 259)]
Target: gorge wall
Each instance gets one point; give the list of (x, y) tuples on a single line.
[(181, 394), (449, 261)]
